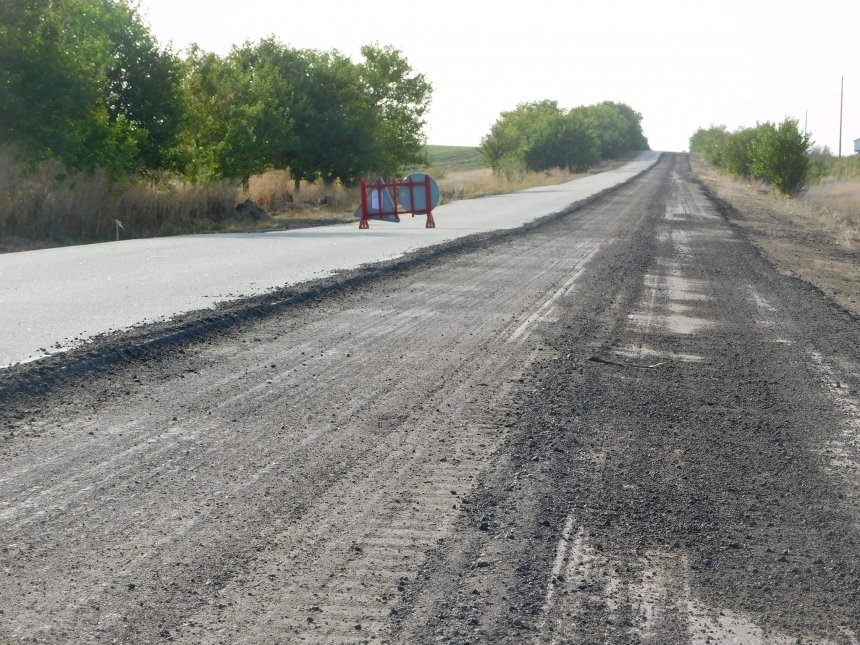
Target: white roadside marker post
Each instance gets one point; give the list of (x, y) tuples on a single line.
[(118, 226)]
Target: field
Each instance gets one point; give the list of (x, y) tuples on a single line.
[(455, 157)]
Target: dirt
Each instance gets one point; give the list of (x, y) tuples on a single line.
[(424, 452), (799, 238)]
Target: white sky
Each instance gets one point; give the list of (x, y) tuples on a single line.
[(681, 63)]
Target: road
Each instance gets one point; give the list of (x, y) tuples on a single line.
[(55, 299), (620, 426)]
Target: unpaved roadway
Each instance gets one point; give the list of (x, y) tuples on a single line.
[(424, 453)]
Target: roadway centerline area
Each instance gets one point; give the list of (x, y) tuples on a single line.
[(431, 457)]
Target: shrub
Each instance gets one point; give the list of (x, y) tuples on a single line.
[(824, 165), (710, 143), (737, 151), (567, 142), (780, 154)]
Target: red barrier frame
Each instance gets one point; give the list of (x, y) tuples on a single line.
[(394, 185)]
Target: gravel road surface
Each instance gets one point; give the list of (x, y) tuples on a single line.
[(54, 299), (620, 425)]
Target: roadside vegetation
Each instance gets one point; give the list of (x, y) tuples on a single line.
[(778, 154), (781, 159), (542, 136), (99, 121)]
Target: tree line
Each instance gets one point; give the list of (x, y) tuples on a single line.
[(541, 135), (777, 153), (85, 82)]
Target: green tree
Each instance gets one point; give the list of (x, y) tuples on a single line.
[(239, 121), (515, 132), (144, 86), (736, 153), (51, 71), (618, 127), (780, 154), (611, 128), (635, 139), (400, 99), (565, 141), (335, 120), (73, 83), (504, 141), (319, 114), (710, 143)]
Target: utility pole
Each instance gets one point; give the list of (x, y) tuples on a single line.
[(805, 119), (841, 93)]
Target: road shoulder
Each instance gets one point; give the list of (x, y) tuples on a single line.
[(791, 234)]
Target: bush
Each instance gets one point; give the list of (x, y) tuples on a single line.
[(824, 165), (780, 154), (567, 142), (737, 151), (710, 143)]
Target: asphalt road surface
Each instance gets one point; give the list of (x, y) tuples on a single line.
[(619, 426), (54, 299)]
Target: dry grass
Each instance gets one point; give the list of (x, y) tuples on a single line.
[(49, 207), (837, 202), (831, 207), (275, 192)]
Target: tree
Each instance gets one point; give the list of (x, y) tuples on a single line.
[(51, 70), (736, 154), (565, 141), (239, 115), (319, 114), (504, 141), (515, 132), (85, 82), (400, 99), (335, 120), (144, 86), (611, 129), (780, 154), (710, 143), (618, 128), (541, 135), (635, 139)]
